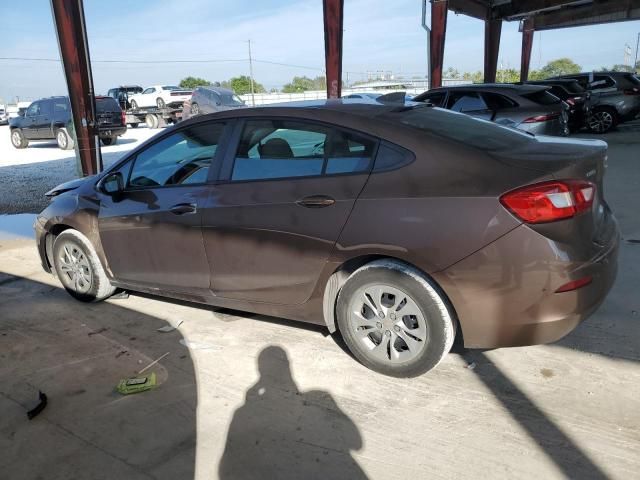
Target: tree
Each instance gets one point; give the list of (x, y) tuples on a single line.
[(302, 84), (560, 66), (451, 73), (193, 82), (618, 67), (242, 85)]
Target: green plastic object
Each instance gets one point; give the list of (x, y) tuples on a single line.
[(127, 386)]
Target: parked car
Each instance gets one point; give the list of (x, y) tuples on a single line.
[(396, 225), (572, 93), (4, 116), (122, 93), (615, 97), (160, 96), (50, 119), (527, 107), (210, 100)]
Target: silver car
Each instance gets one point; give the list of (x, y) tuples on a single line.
[(211, 99), (615, 98), (528, 107), (4, 117)]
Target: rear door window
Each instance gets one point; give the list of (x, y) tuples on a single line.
[(46, 107), (603, 81), (542, 97), (276, 149), (60, 106), (496, 102), (436, 99)]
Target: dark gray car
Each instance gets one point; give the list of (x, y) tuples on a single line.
[(528, 107), (615, 98), (210, 100)]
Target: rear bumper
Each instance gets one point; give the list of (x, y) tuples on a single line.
[(115, 131), (504, 294)]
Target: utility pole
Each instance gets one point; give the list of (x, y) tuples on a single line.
[(635, 63), (253, 98)]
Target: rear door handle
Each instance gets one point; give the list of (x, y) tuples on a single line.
[(184, 209), (316, 201)]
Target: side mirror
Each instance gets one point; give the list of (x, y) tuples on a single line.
[(112, 184)]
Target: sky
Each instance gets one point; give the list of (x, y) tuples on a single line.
[(379, 35)]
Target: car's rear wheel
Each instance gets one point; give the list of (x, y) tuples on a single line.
[(134, 105), (109, 140), (602, 120), (133, 125), (195, 109), (79, 269), (64, 139), (17, 139), (160, 103), (394, 319), (151, 120)]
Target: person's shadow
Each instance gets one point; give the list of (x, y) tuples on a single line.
[(282, 433)]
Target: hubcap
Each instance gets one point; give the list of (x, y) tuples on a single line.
[(15, 138), (195, 109), (388, 323), (600, 121), (62, 139), (75, 268)]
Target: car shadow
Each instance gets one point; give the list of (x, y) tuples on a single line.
[(282, 432), (75, 354)]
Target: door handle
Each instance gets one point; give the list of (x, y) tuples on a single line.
[(316, 201), (184, 209)]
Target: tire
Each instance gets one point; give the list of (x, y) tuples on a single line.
[(133, 125), (79, 269), (383, 341), (17, 139), (151, 120), (195, 109), (64, 139), (109, 140), (160, 102), (602, 120), (134, 105)]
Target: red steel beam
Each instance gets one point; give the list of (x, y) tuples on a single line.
[(439, 10), (492, 32), (527, 46), (333, 13), (71, 30)]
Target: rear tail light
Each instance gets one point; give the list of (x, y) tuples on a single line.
[(571, 101), (542, 118), (575, 284), (550, 201), (123, 117), (632, 91)]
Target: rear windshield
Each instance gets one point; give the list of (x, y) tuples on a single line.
[(107, 104), (462, 128), (574, 87), (171, 87), (133, 89), (542, 97)]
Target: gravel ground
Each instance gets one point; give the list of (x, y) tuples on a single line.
[(25, 175)]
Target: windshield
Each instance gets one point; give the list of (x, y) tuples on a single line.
[(462, 128), (231, 100)]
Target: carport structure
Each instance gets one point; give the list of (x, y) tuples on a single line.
[(532, 14)]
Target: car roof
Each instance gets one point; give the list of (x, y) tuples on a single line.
[(494, 86), (217, 89)]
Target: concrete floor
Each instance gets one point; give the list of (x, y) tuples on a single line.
[(257, 397)]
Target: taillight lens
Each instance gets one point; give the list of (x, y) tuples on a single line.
[(123, 117), (550, 201), (542, 118)]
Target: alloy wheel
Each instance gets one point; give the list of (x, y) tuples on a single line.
[(601, 121), (16, 139), (195, 109), (62, 139), (388, 323), (75, 268)]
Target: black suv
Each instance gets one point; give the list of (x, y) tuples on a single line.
[(121, 94), (50, 119), (573, 94)]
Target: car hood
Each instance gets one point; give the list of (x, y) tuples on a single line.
[(67, 186)]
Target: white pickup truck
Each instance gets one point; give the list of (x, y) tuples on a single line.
[(160, 96)]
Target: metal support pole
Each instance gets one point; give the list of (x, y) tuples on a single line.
[(68, 16), (333, 12), (527, 47), (635, 62), (425, 25), (253, 98), (492, 32), (439, 10)]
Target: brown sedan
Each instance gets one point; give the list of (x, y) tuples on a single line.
[(401, 226)]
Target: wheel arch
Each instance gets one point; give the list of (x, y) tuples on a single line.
[(340, 275), (49, 238)]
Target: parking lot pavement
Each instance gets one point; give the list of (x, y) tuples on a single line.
[(256, 397), (26, 174)]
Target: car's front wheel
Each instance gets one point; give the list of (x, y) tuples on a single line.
[(134, 105), (79, 269), (17, 139), (394, 319)]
